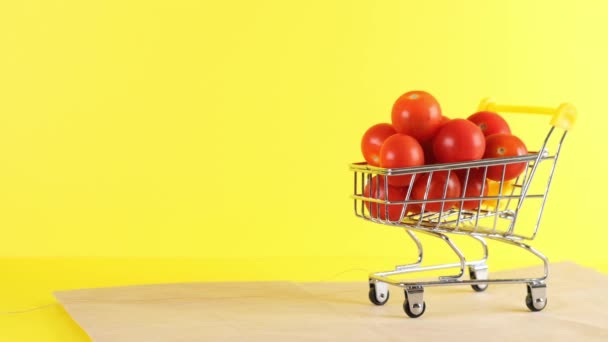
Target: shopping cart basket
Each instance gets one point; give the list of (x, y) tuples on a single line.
[(496, 217)]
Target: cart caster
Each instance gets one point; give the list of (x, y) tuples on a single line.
[(479, 273), (378, 293), (414, 305), (536, 300)]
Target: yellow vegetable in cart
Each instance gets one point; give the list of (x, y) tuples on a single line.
[(494, 190)]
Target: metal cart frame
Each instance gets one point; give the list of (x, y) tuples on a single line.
[(495, 218)]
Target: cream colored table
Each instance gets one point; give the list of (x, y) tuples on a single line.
[(286, 311)]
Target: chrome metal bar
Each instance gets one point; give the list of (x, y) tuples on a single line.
[(402, 269), (450, 199), (440, 167), (355, 192), (383, 276), (542, 206), (464, 195), (426, 194), (445, 193), (530, 249), (456, 250), (399, 283), (484, 245)]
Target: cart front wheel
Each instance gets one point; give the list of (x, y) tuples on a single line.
[(535, 306), (419, 311), (536, 299), (414, 304), (378, 297)]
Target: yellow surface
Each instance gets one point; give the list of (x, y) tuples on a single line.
[(223, 130)]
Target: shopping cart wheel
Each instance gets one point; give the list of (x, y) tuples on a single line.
[(536, 300), (414, 305), (479, 273), (378, 293), (479, 288)]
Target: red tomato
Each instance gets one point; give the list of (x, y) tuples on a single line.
[(375, 189), (490, 123), (399, 151), (372, 141), (436, 189), (505, 145), (418, 114), (427, 146), (474, 184), (458, 140)]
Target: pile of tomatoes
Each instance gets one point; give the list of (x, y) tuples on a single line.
[(420, 135)]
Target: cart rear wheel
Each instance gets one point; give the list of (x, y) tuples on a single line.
[(408, 311), (373, 296), (477, 287)]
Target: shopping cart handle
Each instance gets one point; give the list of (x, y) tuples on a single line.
[(563, 116)]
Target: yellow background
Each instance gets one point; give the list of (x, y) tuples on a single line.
[(221, 131)]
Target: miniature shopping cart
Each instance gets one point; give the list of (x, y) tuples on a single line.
[(497, 217)]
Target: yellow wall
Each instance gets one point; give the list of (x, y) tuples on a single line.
[(224, 129)]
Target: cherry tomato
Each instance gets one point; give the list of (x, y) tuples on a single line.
[(437, 186), (400, 151), (458, 140), (427, 146), (375, 189), (490, 123), (505, 145), (474, 185), (418, 114), (372, 141)]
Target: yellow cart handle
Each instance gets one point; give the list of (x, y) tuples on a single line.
[(563, 116)]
